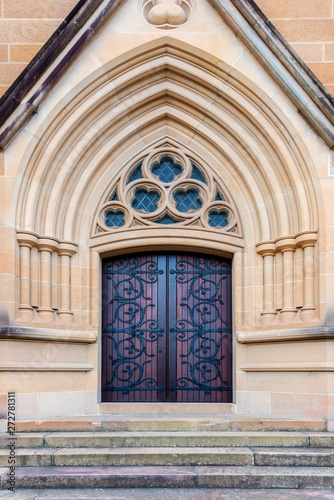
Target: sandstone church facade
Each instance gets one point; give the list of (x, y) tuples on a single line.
[(167, 217)]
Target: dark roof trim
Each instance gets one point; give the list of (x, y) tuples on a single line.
[(59, 40), (320, 114), (299, 71), (286, 54), (48, 53)]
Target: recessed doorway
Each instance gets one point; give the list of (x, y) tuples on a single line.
[(167, 328)]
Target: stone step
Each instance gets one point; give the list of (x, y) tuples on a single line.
[(168, 494), (170, 422), (130, 456), (180, 439), (172, 477), (164, 438), (293, 457)]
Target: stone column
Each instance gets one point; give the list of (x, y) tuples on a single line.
[(238, 289), (95, 263), (66, 250), (26, 241), (306, 241), (287, 247), (268, 251), (46, 246)]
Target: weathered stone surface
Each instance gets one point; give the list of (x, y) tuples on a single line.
[(265, 477), (164, 477), (181, 439), (165, 423), (3, 472), (239, 423), (104, 477), (322, 440), (145, 438), (28, 457), (285, 494), (294, 457), (33, 440), (161, 424), (153, 456), (124, 494), (276, 439), (169, 494)]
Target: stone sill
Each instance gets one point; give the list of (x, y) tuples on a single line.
[(23, 366), (297, 334), (288, 367), (47, 335)]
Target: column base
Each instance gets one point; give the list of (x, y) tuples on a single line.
[(46, 314), (268, 316), (307, 313), (66, 317), (287, 314), (26, 313)]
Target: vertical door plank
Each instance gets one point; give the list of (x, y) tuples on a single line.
[(131, 332), (200, 293)]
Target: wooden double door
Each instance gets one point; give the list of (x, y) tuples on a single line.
[(167, 328)]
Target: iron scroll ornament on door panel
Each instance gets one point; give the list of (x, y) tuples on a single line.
[(201, 327), (166, 333), (167, 187), (131, 330)]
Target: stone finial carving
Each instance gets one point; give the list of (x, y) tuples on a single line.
[(167, 14)]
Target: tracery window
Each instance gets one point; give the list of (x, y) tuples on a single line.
[(167, 187)]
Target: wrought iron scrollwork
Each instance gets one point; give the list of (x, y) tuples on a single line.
[(202, 329), (131, 330)]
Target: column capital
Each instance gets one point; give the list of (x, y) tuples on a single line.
[(67, 248), (285, 244), (48, 244), (266, 248), (306, 239), (27, 238)]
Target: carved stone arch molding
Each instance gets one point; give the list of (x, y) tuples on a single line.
[(197, 114), (222, 115)]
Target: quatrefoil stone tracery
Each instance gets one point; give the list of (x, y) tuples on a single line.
[(166, 188)]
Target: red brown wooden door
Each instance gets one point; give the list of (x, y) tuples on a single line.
[(167, 329)]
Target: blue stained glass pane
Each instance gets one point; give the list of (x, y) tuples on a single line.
[(145, 200), (166, 169), (197, 174), (220, 196), (114, 218), (188, 200), (113, 196), (219, 218), (167, 219), (135, 174)]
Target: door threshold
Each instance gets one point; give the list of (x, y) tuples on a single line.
[(161, 408)]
